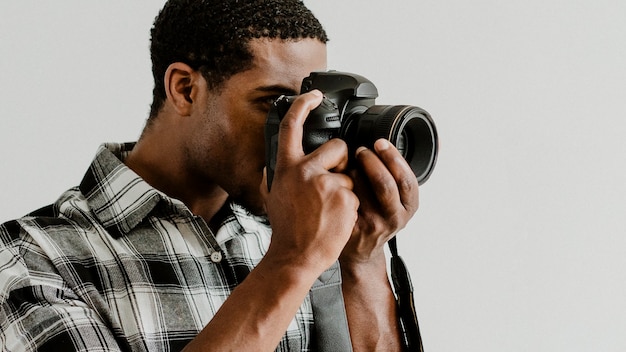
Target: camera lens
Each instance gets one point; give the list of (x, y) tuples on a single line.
[(409, 128)]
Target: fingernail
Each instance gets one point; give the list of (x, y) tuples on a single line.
[(359, 150), (317, 92), (382, 144)]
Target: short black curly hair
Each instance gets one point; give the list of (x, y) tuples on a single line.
[(213, 36)]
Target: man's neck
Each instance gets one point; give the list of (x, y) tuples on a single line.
[(159, 162)]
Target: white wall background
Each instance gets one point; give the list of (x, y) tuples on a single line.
[(519, 243)]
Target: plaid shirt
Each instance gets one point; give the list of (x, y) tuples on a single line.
[(116, 265)]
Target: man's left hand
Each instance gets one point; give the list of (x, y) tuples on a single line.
[(388, 192)]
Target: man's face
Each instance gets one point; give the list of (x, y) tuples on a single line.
[(227, 145)]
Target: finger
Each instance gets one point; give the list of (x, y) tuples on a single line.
[(382, 183), (332, 155), (401, 172), (291, 130), (342, 180)]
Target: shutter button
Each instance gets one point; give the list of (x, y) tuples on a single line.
[(216, 257)]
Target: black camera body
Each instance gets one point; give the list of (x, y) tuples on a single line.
[(348, 111)]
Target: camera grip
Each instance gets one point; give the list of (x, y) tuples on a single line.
[(322, 124)]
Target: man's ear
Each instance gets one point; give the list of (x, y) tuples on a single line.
[(181, 87)]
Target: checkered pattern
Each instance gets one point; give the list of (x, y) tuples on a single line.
[(115, 265)]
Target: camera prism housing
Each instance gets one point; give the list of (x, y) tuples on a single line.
[(348, 111)]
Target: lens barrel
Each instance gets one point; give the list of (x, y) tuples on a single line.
[(409, 128)]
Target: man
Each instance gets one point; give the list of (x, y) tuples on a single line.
[(166, 243)]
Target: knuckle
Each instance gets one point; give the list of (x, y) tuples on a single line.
[(345, 200), (385, 189), (377, 227), (339, 144), (320, 183), (408, 184), (397, 221), (409, 188), (289, 121)]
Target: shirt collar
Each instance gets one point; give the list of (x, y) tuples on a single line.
[(116, 195), (120, 199)]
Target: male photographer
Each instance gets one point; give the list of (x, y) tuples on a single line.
[(166, 244)]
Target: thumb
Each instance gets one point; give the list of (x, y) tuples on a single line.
[(291, 126)]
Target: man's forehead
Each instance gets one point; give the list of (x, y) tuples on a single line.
[(287, 62)]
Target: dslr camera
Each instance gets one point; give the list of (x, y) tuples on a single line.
[(348, 111)]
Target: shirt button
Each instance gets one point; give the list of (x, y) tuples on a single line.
[(216, 257)]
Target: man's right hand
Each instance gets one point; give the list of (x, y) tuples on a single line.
[(311, 206)]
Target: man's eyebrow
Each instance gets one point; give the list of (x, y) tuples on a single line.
[(277, 89)]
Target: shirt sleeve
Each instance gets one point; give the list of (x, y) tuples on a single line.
[(38, 311)]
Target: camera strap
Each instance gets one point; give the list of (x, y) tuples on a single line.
[(331, 322), (329, 311), (404, 295)]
